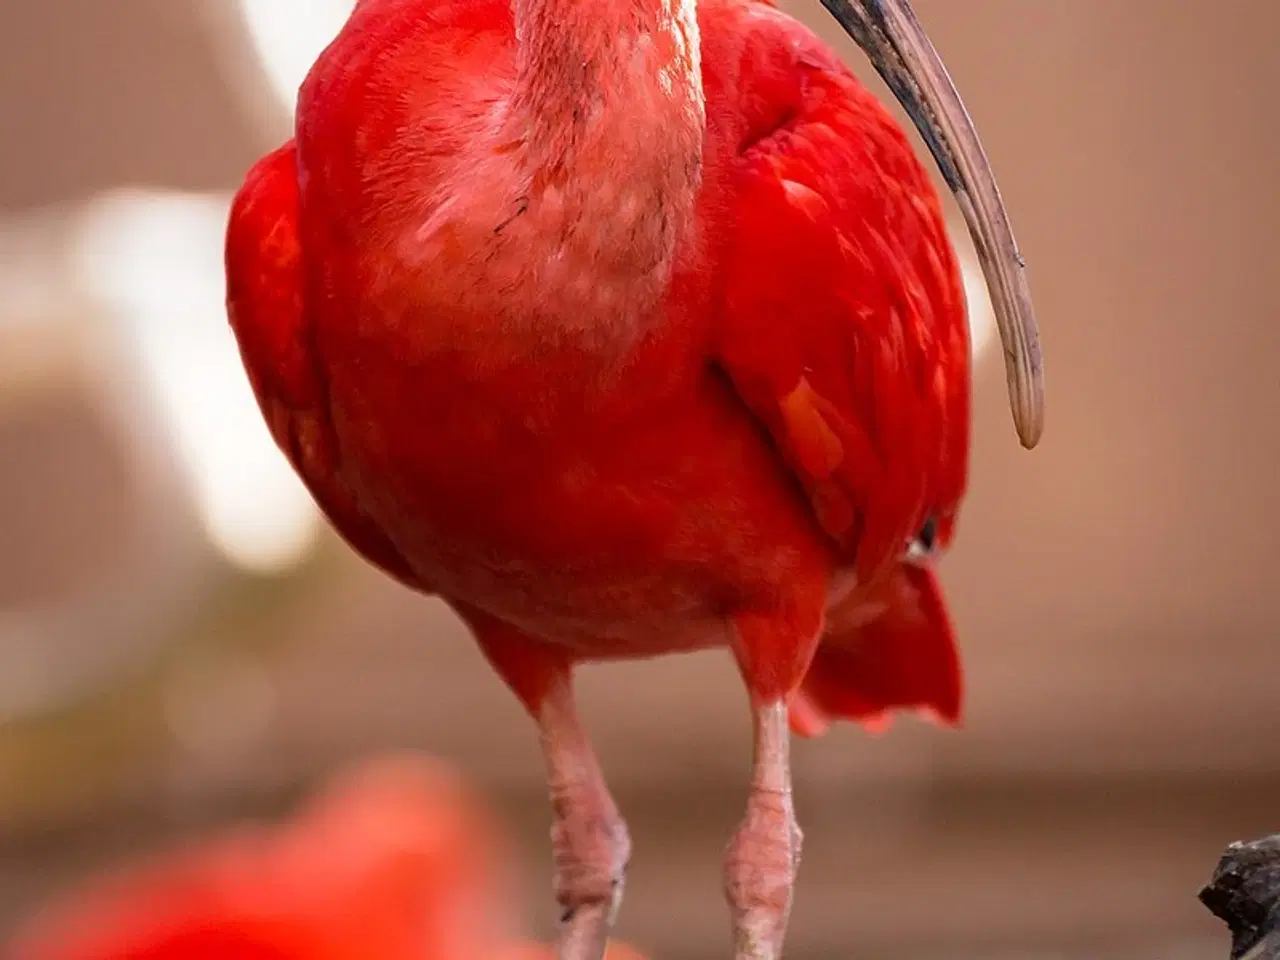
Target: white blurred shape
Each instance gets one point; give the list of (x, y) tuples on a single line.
[(156, 260), (288, 35), (982, 320)]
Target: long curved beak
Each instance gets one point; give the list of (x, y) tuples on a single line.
[(889, 34)]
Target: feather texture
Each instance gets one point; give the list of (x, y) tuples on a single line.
[(488, 406)]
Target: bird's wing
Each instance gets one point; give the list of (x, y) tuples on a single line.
[(267, 309), (843, 323)]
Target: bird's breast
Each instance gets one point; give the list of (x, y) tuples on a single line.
[(629, 519)]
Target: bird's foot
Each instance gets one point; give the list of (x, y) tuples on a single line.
[(760, 873), (592, 848)]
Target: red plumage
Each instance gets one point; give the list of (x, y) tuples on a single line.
[(642, 373), (824, 300)]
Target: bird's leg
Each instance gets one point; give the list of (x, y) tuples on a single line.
[(774, 651), (764, 854), (589, 838)]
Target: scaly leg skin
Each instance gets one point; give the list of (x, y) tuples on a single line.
[(764, 855), (589, 838)]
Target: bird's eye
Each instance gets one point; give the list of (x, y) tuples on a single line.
[(925, 541)]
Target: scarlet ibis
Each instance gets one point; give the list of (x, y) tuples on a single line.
[(632, 327)]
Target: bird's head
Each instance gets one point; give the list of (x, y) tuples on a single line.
[(889, 34)]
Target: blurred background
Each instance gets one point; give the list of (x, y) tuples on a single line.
[(183, 642)]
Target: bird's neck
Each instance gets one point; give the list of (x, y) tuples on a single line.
[(578, 58), (608, 105)]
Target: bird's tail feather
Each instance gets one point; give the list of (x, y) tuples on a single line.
[(892, 651)]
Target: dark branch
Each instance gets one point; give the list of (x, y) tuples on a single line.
[(1245, 894)]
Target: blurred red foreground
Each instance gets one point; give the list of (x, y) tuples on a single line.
[(397, 860)]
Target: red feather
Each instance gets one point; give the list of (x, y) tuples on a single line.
[(789, 412)]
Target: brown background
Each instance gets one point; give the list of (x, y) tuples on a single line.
[(1114, 589)]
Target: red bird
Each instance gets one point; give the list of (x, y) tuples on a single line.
[(395, 860), (632, 327)]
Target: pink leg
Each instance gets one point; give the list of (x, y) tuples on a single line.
[(773, 652), (589, 838), (764, 854)]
